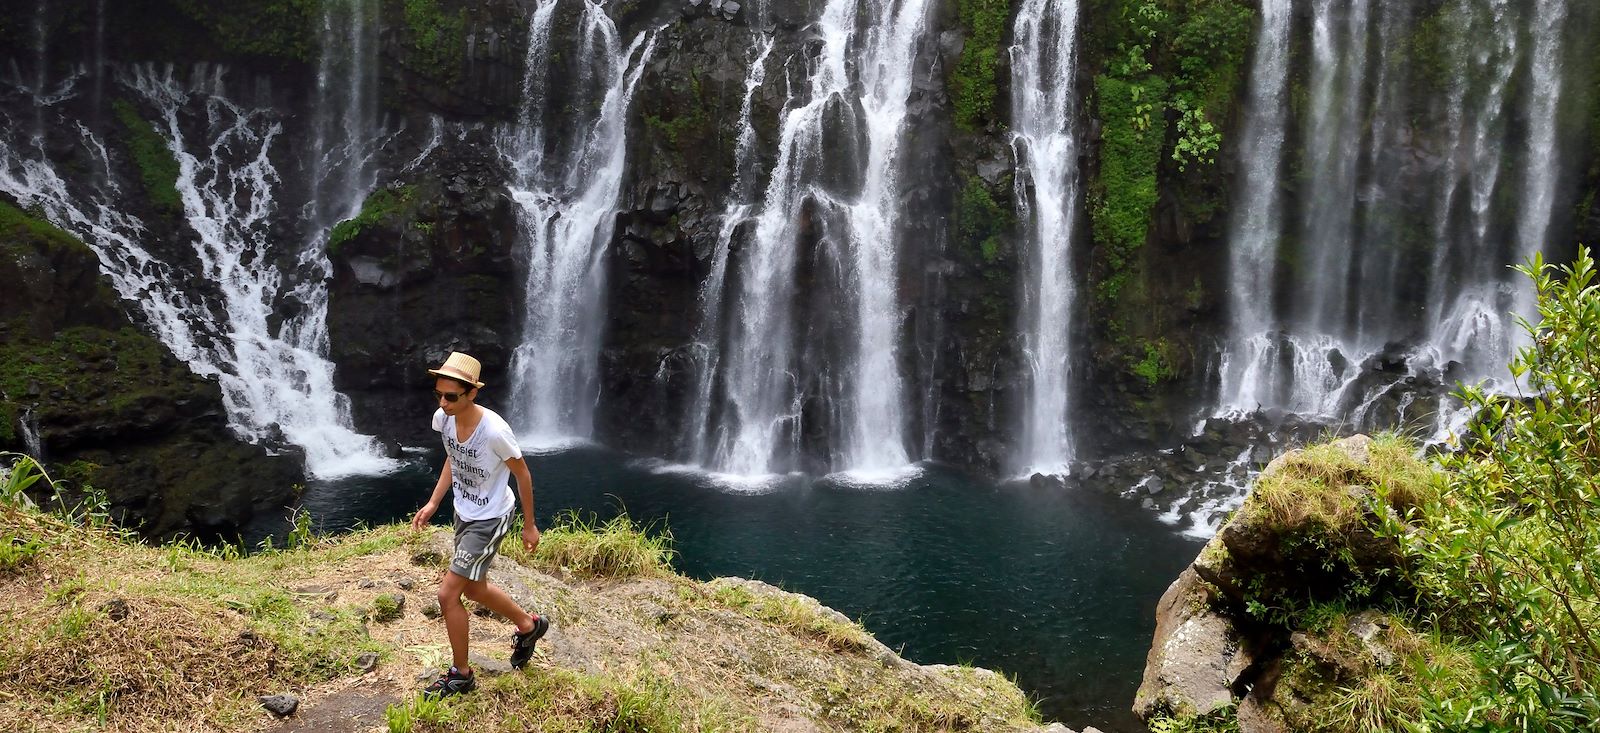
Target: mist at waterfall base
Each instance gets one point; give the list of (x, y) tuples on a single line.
[(1056, 587)]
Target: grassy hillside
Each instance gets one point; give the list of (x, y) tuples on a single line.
[(105, 633)]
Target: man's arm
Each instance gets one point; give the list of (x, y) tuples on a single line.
[(530, 531), (439, 487)]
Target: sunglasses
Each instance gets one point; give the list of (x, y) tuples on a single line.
[(448, 396)]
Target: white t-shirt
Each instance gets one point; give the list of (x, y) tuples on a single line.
[(479, 476)]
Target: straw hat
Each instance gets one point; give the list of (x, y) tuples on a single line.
[(459, 366)]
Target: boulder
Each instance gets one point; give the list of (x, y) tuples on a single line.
[(1191, 666)]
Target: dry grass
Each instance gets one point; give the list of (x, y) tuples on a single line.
[(114, 635), (1323, 485), (801, 615)]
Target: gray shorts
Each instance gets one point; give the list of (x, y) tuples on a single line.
[(477, 542)]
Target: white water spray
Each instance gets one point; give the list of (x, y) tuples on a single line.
[(567, 193), (1044, 113), (858, 94)]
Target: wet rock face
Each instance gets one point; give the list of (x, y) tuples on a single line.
[(459, 60), (435, 274)]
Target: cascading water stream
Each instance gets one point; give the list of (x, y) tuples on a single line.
[(1044, 113), (270, 376), (32, 441), (566, 187), (1417, 189), (708, 334), (1257, 224), (1372, 168), (257, 329), (857, 96)]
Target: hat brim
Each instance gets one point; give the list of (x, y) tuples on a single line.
[(458, 376)]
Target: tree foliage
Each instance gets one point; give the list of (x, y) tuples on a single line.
[(1506, 559)]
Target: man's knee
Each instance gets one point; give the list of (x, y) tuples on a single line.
[(474, 589), (450, 590)]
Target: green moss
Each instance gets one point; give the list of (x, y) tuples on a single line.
[(981, 221), (19, 229), (438, 38), (1156, 365), (158, 170), (381, 205), (265, 28), (1124, 194), (83, 368), (674, 130), (974, 84)]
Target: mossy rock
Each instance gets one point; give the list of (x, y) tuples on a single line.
[(1308, 531)]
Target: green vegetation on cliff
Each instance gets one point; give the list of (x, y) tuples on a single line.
[(981, 222), (381, 205), (439, 38), (974, 83), (263, 28), (1170, 72), (158, 170)]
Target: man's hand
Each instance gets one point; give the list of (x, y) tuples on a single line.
[(424, 514), (530, 537)]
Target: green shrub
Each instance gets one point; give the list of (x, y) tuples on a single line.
[(21, 473), (974, 85), (1506, 557)]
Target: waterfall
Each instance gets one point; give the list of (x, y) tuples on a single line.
[(566, 187), (1257, 220), (708, 334), (1044, 111), (1414, 194), (346, 133), (837, 171), (253, 326), (32, 441), (275, 377)]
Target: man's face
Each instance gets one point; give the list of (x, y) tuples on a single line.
[(453, 396)]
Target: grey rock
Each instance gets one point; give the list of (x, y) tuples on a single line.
[(282, 706), (1368, 626), (406, 583), (367, 662), (366, 583), (115, 609), (488, 666), (432, 610), (991, 170), (1193, 650)]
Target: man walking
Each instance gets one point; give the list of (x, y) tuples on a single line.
[(481, 454)]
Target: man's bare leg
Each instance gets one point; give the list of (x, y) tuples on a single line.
[(455, 618), (490, 595)]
